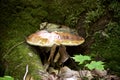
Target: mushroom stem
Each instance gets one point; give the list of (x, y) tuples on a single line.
[(63, 54), (52, 52), (50, 59)]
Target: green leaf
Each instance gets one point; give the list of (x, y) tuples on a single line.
[(6, 78), (95, 65), (81, 58)]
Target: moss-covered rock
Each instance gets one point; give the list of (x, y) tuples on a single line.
[(17, 60)]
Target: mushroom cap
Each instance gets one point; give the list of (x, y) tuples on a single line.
[(48, 39)]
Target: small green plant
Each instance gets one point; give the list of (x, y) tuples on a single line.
[(81, 59), (6, 78), (92, 65)]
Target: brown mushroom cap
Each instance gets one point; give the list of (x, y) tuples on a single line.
[(48, 39)]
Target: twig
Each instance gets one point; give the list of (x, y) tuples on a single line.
[(26, 72), (12, 48)]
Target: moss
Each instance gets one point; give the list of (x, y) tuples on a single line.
[(17, 60), (17, 57)]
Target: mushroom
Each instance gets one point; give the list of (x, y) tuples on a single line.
[(48, 39), (53, 39), (50, 27), (46, 25)]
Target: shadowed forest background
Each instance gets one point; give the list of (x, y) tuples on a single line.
[(98, 21)]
